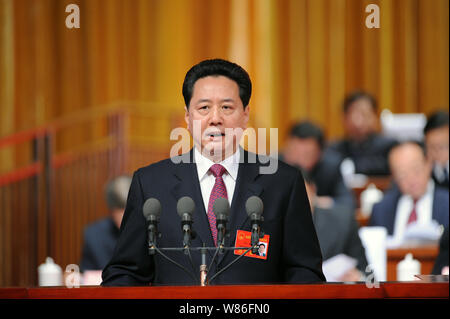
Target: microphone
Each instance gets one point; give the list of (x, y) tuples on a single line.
[(254, 207), (152, 211), (221, 209), (185, 209)]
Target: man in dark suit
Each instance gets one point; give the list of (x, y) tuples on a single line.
[(101, 236), (337, 230), (217, 93), (363, 148), (414, 197), (304, 149), (436, 142)]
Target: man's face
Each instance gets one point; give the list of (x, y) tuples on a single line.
[(261, 249), (360, 120), (303, 152), (437, 141), (214, 110), (410, 170)]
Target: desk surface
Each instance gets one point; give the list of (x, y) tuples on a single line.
[(416, 289)]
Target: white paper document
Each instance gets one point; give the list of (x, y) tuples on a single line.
[(335, 267)]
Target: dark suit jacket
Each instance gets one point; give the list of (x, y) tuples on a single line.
[(383, 212), (442, 258), (369, 156), (99, 241), (293, 254), (329, 182), (337, 230)]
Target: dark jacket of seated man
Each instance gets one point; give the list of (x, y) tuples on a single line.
[(99, 239), (337, 230)]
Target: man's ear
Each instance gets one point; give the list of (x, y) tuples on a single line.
[(246, 116)]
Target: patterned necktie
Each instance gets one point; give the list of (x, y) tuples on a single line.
[(219, 190), (413, 215)]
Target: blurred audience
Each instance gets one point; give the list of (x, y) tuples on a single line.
[(304, 149), (337, 231), (101, 236), (441, 263), (363, 149), (415, 197), (436, 141)]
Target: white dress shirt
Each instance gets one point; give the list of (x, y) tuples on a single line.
[(207, 179), (424, 210), (440, 172)]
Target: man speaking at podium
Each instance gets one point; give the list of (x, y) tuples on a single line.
[(217, 94)]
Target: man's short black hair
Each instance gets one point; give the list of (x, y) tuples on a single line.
[(436, 120), (218, 67), (306, 129), (358, 95)]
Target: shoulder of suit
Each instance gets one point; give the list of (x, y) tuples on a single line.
[(442, 193), (383, 141), (99, 225), (390, 197), (163, 165)]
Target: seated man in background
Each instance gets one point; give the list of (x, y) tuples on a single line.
[(337, 230), (304, 149), (436, 142), (415, 197), (101, 236), (363, 149)]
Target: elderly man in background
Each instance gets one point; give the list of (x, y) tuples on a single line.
[(415, 198)]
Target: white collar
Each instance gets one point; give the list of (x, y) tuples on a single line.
[(231, 164), (438, 171)]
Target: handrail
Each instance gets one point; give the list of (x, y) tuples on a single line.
[(23, 136), (21, 174), (88, 114)]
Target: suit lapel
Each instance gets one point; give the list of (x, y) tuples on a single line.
[(187, 184)]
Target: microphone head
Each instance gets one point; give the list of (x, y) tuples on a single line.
[(185, 205), (151, 209), (254, 205), (221, 207)]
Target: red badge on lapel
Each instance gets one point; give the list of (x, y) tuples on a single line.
[(243, 239)]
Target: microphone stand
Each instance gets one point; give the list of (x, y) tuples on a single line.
[(203, 280), (203, 268)]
